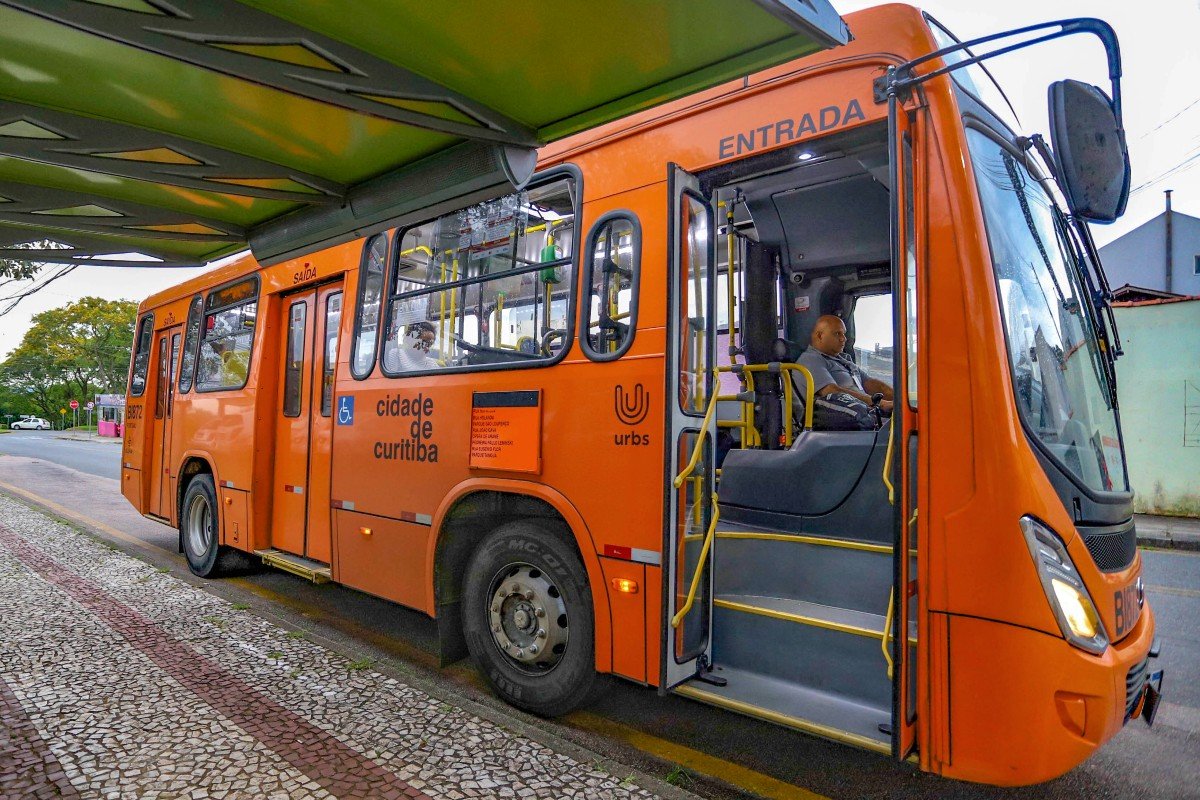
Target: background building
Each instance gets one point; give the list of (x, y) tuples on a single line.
[(1158, 385), (1140, 258)]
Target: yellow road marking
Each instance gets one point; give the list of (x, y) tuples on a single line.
[(695, 760), (1174, 590)]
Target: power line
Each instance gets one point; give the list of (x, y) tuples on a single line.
[(1170, 119)]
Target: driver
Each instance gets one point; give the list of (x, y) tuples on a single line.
[(834, 373)]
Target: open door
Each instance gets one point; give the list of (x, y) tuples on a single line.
[(903, 448), (691, 435)]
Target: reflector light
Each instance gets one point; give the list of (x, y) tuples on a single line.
[(627, 585), (364, 530)]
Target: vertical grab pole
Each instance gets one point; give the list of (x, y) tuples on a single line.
[(731, 301)]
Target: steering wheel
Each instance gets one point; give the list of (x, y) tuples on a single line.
[(500, 351)]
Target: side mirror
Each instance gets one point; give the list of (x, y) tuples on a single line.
[(1090, 153)]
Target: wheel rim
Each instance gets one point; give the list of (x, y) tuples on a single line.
[(199, 526), (527, 618)]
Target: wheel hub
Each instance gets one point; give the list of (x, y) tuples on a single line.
[(528, 618)]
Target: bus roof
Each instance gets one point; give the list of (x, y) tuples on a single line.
[(186, 130)]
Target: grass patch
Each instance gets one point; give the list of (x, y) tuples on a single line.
[(678, 776), (297, 635), (359, 664), (241, 606), (275, 655), (220, 623), (164, 569)]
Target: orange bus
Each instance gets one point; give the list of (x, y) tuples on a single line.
[(578, 424)]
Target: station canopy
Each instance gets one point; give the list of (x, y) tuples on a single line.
[(185, 130)]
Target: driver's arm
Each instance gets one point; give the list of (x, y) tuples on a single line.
[(885, 404), (873, 385)]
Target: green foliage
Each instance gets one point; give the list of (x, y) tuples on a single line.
[(72, 352)]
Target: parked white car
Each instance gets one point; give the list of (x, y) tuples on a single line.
[(31, 424)]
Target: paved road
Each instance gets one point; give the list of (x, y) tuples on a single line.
[(101, 458), (635, 726)]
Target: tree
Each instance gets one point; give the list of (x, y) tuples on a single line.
[(72, 352)]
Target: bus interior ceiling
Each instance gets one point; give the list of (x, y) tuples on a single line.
[(803, 557)]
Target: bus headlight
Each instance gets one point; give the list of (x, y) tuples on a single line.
[(1068, 597)]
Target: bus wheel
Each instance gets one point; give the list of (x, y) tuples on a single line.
[(199, 527), (527, 617)]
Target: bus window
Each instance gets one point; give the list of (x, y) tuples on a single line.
[(613, 258), (141, 357), (228, 337), (873, 334), (489, 285), (333, 320), (292, 373), (187, 367), (695, 376), (370, 302)]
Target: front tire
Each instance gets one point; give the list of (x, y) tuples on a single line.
[(199, 531), (528, 619)]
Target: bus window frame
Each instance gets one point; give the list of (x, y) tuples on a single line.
[(569, 171), (257, 300), (147, 319), (634, 286), (388, 243), (196, 305)]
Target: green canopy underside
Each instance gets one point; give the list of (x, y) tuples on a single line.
[(187, 129)]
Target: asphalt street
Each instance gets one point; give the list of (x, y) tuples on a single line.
[(101, 458), (721, 755)]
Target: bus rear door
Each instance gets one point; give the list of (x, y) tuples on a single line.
[(162, 499), (300, 519)]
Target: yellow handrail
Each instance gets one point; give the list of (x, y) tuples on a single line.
[(691, 465), (887, 632), (748, 406), (691, 595), (887, 464)]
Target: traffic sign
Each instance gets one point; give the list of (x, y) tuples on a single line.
[(90, 405), (74, 404)]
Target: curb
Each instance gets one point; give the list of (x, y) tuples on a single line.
[(1165, 541)]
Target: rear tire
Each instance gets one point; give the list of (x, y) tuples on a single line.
[(528, 618), (199, 531)]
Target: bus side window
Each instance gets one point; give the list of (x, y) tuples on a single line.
[(187, 366), (228, 337), (489, 285), (141, 357), (614, 252), (370, 304)]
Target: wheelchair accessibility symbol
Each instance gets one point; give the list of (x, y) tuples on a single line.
[(345, 409)]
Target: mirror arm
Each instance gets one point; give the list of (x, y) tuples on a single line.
[(902, 78)]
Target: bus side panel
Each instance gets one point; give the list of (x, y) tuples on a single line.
[(375, 555)]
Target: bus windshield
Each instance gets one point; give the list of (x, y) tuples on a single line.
[(1058, 373)]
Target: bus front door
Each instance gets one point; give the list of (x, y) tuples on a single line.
[(689, 386), (162, 499), (300, 521)]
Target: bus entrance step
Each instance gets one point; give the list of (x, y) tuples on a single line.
[(314, 571)]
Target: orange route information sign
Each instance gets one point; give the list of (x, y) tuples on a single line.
[(506, 431)]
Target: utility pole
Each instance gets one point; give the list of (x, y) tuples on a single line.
[(1170, 245)]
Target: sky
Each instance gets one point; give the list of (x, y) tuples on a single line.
[(1161, 98)]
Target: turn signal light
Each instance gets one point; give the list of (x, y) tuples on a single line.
[(627, 585), (364, 530)]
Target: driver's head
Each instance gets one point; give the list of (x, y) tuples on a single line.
[(424, 333), (829, 335)]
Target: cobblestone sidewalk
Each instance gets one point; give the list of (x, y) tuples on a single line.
[(118, 681)]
